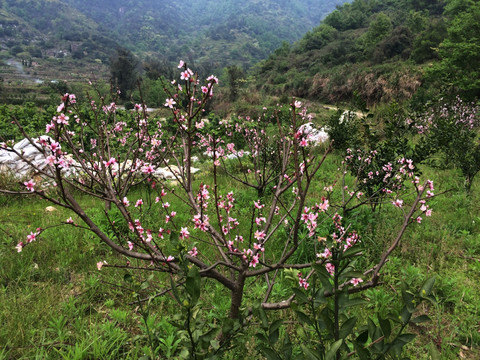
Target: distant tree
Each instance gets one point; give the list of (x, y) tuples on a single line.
[(234, 74), (16, 50), (426, 44), (397, 43), (379, 28), (460, 51), (124, 71), (155, 69)]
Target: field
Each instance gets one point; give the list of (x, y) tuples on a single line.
[(54, 303)]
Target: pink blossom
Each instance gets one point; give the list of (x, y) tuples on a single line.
[(69, 220), (19, 246), (125, 202), (193, 252), (398, 203), (169, 103), (100, 264), (213, 78), (139, 203), (418, 219), (130, 245), (330, 268), (302, 282), (259, 220), (62, 119), (259, 235), (110, 162), (258, 204), (148, 169), (356, 281), (50, 160), (258, 247), (30, 185), (254, 261), (326, 254), (184, 234), (181, 64), (170, 258)]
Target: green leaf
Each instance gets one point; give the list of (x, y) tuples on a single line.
[(409, 301), (262, 338), (385, 326), (351, 252), (287, 348), (330, 355), (347, 327), (371, 329), (269, 354), (421, 319), (405, 315), (192, 285), (327, 320), (406, 338), (209, 336), (427, 287), (310, 354), (176, 295), (300, 295), (434, 353), (303, 318), (324, 277), (320, 298), (363, 337), (354, 302), (263, 318), (275, 325), (362, 353), (273, 336), (402, 340), (215, 344)]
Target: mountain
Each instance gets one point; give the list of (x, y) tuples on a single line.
[(373, 51), (209, 32), (212, 34)]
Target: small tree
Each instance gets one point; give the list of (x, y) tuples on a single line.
[(254, 230), (124, 71), (452, 131)]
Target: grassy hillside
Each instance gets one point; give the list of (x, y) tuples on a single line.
[(371, 51)]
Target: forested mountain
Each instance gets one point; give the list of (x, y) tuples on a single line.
[(372, 50), (211, 33)]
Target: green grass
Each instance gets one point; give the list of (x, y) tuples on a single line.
[(55, 304)]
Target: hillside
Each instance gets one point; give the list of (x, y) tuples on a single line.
[(372, 51), (208, 33)]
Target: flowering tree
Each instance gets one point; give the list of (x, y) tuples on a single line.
[(231, 234), (451, 129)]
